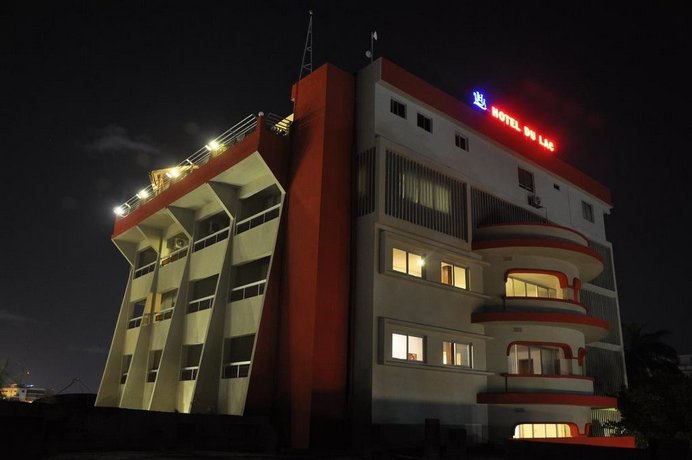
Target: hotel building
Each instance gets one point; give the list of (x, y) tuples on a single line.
[(386, 254)]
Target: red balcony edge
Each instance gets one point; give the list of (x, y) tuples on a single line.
[(536, 242), (538, 317), (565, 399)]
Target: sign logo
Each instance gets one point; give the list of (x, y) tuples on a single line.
[(512, 122)]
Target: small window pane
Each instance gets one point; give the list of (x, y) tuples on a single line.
[(519, 288), (399, 346), (509, 287), (447, 273), (462, 355), (415, 265), (531, 290), (460, 277), (415, 348), (447, 353), (399, 260), (542, 292)]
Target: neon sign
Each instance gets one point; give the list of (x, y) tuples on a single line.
[(512, 122)]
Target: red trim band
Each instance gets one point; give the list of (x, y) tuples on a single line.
[(538, 224), (514, 316), (547, 398), (535, 242)]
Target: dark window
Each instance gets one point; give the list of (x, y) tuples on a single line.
[(526, 179), (397, 108), (461, 141), (587, 211), (425, 123), (237, 353)]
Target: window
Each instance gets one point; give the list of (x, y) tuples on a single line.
[(154, 363), (237, 353), (418, 188), (136, 314), (425, 122), (542, 430), (202, 293), (407, 262), (534, 359), (526, 180), (461, 141), (397, 108), (541, 286), (125, 368), (587, 211), (407, 347), (167, 304), (453, 275), (190, 361), (457, 354)]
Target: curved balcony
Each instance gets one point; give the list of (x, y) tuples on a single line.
[(543, 304), (531, 230), (593, 329), (563, 399), (536, 383)]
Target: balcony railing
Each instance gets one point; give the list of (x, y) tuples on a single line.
[(211, 239), (175, 255), (163, 315), (200, 304), (237, 132), (248, 290), (148, 268), (258, 219), (189, 373), (236, 369)]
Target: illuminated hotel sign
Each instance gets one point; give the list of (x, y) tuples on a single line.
[(512, 122)]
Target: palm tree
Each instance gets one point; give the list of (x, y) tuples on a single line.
[(646, 354)]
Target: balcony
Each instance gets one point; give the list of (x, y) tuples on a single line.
[(593, 329), (540, 240), (148, 268), (175, 255), (537, 383), (563, 399), (543, 304), (258, 219), (248, 290), (211, 239)]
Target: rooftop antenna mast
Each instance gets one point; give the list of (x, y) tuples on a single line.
[(306, 64)]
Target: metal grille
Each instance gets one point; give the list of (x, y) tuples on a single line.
[(425, 197), (365, 182), (603, 307), (488, 209), (605, 279), (606, 367)]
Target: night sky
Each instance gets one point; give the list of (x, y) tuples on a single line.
[(97, 94)]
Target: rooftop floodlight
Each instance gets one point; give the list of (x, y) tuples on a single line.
[(119, 211), (143, 194), (214, 145), (173, 173)]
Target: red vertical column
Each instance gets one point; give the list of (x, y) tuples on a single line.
[(315, 297)]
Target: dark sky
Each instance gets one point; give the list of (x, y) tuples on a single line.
[(97, 94)]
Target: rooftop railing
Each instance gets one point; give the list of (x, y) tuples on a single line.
[(275, 123)]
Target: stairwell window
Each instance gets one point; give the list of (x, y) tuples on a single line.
[(408, 262), (125, 368), (407, 347), (587, 211), (154, 363), (424, 122), (526, 180), (453, 275), (397, 108)]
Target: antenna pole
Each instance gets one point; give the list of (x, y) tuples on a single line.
[(306, 64)]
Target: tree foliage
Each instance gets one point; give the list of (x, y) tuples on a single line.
[(658, 402)]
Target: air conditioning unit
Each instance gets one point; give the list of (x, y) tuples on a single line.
[(535, 201), (179, 243)]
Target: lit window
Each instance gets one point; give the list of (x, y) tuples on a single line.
[(587, 211), (397, 108), (453, 275), (535, 360), (542, 430), (424, 191), (457, 354), (533, 285), (526, 179), (407, 262), (407, 347), (461, 141), (425, 122)]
